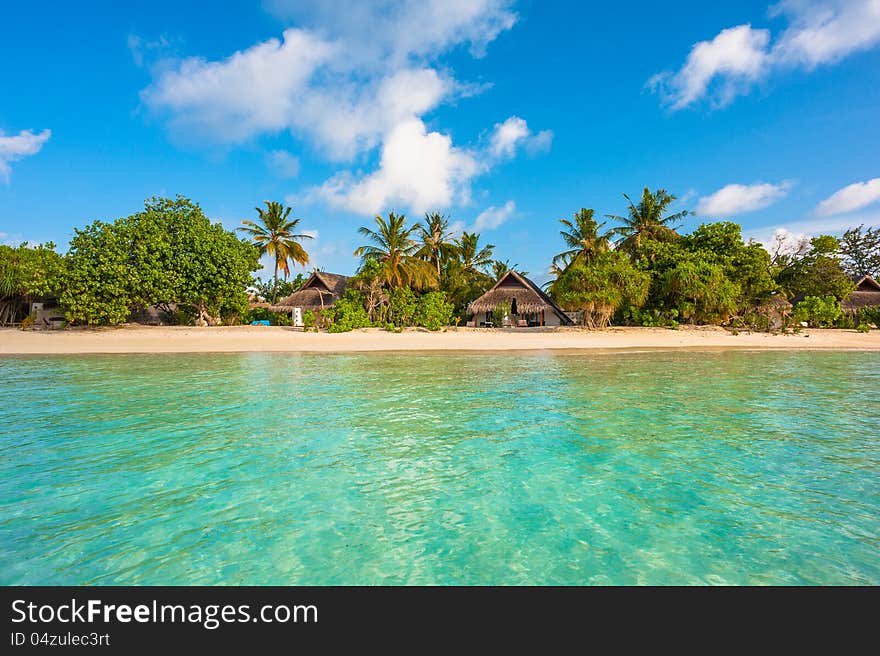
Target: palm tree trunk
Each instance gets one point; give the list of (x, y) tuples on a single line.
[(275, 286)]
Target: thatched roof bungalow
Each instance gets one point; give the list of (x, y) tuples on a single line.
[(775, 309), (866, 294), (320, 291), (529, 305)]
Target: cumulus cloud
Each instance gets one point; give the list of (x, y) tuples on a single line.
[(513, 134), (851, 198), (737, 199), (418, 169), (17, 146), (350, 79), (249, 92), (493, 217), (818, 32), (826, 31), (734, 59), (397, 30)]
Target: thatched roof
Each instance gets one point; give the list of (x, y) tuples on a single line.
[(320, 290), (776, 302), (515, 287), (867, 294)]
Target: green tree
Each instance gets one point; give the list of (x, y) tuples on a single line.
[(499, 268), (437, 243), (600, 288), (746, 264), (394, 248), (463, 285), (860, 248), (275, 235), (818, 272), (700, 291), (168, 253), (472, 256), (27, 274), (101, 282), (647, 220), (581, 236)]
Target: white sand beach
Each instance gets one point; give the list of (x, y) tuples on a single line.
[(240, 339)]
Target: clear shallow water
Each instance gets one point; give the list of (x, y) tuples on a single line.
[(657, 468)]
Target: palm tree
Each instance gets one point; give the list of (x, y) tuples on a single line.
[(437, 243), (582, 238), (499, 268), (647, 220), (474, 258), (397, 253), (275, 235)]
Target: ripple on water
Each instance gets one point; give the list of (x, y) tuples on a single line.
[(723, 468)]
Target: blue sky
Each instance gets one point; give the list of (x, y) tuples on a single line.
[(506, 116)]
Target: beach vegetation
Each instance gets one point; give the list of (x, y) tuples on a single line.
[(860, 251), (433, 311), (28, 274), (600, 288), (436, 242), (170, 253), (649, 219), (818, 311), (393, 246), (275, 235)]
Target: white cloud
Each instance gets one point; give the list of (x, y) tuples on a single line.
[(826, 31), (734, 59), (250, 92), (350, 79), (397, 30), (513, 134), (283, 164), (420, 170), (850, 198), (818, 32), (737, 199), (493, 217), (15, 147)]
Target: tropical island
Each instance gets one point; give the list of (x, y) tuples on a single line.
[(171, 266)]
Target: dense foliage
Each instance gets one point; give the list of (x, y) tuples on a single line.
[(168, 254), (27, 274), (601, 286), (642, 271), (818, 311)]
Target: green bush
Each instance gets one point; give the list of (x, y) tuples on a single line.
[(308, 320), (863, 328), (402, 305), (501, 310), (348, 313), (653, 318), (818, 311), (433, 311), (870, 315)]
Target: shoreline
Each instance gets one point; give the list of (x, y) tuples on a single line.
[(277, 339)]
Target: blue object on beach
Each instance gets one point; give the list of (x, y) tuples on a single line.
[(260, 322)]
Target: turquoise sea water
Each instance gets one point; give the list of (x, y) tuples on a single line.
[(654, 468)]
